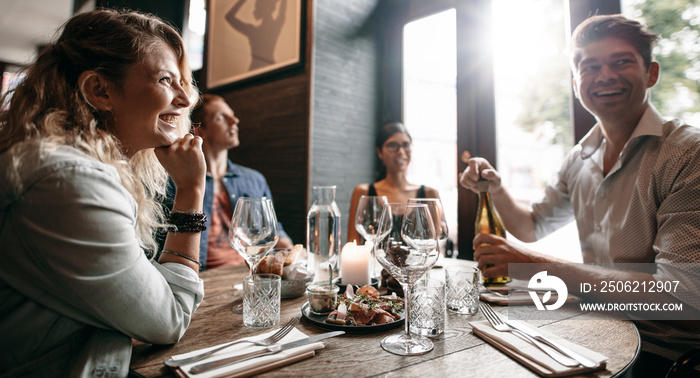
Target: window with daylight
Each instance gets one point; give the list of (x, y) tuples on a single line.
[(430, 107)]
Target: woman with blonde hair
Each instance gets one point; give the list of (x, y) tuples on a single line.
[(85, 144)]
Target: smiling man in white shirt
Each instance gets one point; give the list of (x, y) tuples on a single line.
[(632, 184)]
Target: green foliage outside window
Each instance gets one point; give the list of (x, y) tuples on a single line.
[(677, 93), (546, 96)]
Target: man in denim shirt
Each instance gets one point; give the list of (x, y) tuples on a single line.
[(225, 182)]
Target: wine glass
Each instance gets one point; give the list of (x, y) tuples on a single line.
[(436, 210), (369, 210), (253, 231), (407, 247)]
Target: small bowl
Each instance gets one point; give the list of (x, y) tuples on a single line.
[(322, 297), (294, 288)]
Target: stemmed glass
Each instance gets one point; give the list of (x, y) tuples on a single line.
[(407, 250), (436, 210), (369, 211), (253, 231)]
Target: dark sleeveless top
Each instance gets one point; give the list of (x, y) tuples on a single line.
[(373, 192)]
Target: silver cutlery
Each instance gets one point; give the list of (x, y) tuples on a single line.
[(272, 349), (498, 324), (277, 336), (512, 291), (535, 334)]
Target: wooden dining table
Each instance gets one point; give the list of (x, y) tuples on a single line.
[(457, 352)]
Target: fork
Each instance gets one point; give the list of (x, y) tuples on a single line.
[(277, 336), (497, 323)]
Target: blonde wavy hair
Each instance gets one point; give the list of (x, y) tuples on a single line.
[(49, 109)]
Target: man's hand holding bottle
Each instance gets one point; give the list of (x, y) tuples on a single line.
[(480, 167)]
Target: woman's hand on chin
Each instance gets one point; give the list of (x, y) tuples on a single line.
[(184, 162)]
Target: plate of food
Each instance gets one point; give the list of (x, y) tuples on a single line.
[(362, 312)]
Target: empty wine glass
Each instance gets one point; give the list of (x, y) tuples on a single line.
[(253, 231), (436, 210), (369, 211), (407, 247)]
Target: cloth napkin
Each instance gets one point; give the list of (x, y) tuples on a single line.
[(531, 356), (253, 366), (519, 298)]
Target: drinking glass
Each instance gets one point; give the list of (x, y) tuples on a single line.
[(436, 210), (407, 247), (428, 306), (369, 211), (261, 300), (462, 289), (253, 231)]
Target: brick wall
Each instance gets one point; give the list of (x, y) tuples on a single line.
[(345, 98)]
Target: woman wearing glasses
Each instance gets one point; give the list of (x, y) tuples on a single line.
[(393, 146)]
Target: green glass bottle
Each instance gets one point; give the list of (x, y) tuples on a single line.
[(489, 222)]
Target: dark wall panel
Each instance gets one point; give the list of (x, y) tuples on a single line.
[(274, 140), (476, 113)]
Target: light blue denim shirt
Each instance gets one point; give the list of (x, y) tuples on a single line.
[(75, 286), (239, 181)]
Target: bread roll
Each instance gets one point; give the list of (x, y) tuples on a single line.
[(264, 265), (277, 263), (293, 254)]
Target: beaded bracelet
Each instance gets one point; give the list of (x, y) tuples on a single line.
[(183, 256), (188, 221)]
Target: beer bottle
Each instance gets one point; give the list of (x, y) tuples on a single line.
[(489, 222)]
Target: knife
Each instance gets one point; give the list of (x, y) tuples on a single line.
[(535, 334), (272, 349)]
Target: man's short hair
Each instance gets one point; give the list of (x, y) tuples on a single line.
[(598, 27), (198, 112)]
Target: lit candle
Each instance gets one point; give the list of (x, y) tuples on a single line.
[(354, 263)]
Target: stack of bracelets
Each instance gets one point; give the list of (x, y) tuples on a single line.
[(188, 222)]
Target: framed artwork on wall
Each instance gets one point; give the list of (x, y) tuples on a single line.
[(247, 39)]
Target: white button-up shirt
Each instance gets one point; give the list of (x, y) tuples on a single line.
[(645, 210)]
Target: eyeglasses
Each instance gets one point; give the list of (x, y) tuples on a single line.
[(394, 147)]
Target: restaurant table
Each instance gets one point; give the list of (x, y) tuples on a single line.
[(458, 352)]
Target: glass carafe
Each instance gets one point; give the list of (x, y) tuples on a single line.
[(323, 234)]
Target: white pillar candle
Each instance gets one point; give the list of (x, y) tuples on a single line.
[(354, 264)]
